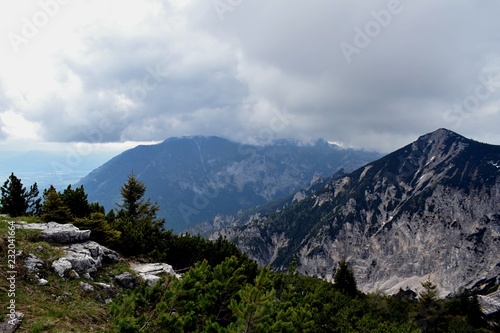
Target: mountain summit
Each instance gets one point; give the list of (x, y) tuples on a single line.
[(428, 210), (195, 178)]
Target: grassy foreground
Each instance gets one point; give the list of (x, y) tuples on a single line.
[(59, 306)]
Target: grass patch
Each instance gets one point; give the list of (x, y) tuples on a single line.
[(59, 306), (43, 250)]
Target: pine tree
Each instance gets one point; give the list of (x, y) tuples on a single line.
[(344, 279), (254, 311), (141, 230), (16, 200), (54, 208), (428, 296), (429, 310), (77, 201)]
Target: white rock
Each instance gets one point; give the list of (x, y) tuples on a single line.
[(86, 287), (103, 285), (56, 232), (33, 263), (150, 279), (88, 257), (61, 265), (153, 269)]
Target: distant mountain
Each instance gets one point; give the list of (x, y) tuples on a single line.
[(428, 210), (212, 227), (195, 178)]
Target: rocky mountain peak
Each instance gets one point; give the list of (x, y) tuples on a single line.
[(430, 208), (441, 135)]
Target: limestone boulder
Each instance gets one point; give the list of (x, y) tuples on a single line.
[(149, 272), (84, 258), (56, 232)]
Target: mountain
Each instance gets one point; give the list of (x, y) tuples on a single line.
[(195, 178), (211, 227), (430, 210)]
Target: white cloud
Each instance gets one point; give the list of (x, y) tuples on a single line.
[(16, 128), (103, 71)]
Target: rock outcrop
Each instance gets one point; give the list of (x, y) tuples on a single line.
[(84, 258), (490, 304), (57, 233), (150, 272), (77, 258)]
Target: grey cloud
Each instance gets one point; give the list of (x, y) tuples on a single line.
[(401, 84), (190, 72)]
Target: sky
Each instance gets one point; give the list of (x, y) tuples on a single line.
[(376, 75)]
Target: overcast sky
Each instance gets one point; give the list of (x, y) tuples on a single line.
[(375, 75)]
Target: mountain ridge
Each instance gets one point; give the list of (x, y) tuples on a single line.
[(196, 178), (423, 209)]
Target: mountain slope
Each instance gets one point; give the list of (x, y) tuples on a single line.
[(196, 178), (429, 209)]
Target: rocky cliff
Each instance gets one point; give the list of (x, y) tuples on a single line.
[(428, 210)]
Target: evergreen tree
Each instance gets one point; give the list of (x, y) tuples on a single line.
[(428, 296), (255, 307), (141, 230), (54, 208), (95, 207), (133, 205), (77, 201), (16, 200), (429, 310), (344, 279)]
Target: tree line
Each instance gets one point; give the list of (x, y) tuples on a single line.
[(132, 228)]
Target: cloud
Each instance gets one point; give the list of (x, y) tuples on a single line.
[(100, 71)]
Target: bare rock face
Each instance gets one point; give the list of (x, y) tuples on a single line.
[(430, 210), (84, 258), (57, 233)]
